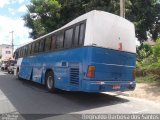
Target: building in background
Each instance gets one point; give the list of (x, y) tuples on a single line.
[(6, 52)]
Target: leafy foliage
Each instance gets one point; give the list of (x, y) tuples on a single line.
[(47, 15), (145, 14), (148, 58), (156, 49), (150, 78), (143, 51), (42, 16)]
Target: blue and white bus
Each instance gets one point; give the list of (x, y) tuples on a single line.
[(95, 52)]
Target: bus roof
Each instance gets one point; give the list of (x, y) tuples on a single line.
[(112, 31)]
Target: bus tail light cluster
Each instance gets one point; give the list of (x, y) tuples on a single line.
[(91, 72)]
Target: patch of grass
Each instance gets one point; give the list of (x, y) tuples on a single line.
[(148, 79)]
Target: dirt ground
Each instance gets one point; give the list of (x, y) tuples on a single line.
[(146, 91)]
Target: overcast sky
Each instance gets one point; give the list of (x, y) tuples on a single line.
[(11, 12)]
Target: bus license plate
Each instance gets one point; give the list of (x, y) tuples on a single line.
[(116, 87)]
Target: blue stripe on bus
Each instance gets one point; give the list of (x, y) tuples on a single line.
[(70, 68)]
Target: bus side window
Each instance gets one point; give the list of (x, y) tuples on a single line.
[(76, 36), (19, 52), (25, 50), (41, 45), (59, 40), (22, 51), (36, 46), (16, 54), (68, 38), (53, 44), (32, 49), (29, 49), (47, 43), (82, 32)]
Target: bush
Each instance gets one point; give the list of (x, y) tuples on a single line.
[(156, 50), (150, 78), (148, 63), (143, 51)]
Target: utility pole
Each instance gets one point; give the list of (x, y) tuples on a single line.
[(122, 8), (12, 41)]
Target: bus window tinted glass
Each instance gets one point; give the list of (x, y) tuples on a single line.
[(76, 36), (68, 38), (29, 49), (36, 46), (82, 31), (41, 46), (23, 51), (47, 44), (32, 51), (26, 50), (59, 41), (19, 53), (53, 44)]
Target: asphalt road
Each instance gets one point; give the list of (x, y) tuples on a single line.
[(26, 97)]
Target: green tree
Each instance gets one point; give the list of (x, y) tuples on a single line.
[(42, 16), (156, 50), (143, 13), (146, 17)]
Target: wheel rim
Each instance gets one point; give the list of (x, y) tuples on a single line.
[(50, 82)]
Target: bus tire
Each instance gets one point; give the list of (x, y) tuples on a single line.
[(49, 79)]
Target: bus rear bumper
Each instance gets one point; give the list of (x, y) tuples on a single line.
[(108, 86)]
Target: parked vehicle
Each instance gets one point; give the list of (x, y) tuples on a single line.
[(4, 65), (11, 66)]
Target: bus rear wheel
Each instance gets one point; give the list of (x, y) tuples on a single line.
[(50, 82)]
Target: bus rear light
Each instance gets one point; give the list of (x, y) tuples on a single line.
[(91, 71), (120, 46)]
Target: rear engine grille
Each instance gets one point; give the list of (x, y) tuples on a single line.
[(74, 76)]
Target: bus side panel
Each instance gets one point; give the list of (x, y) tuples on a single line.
[(68, 69), (66, 66), (25, 69)]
